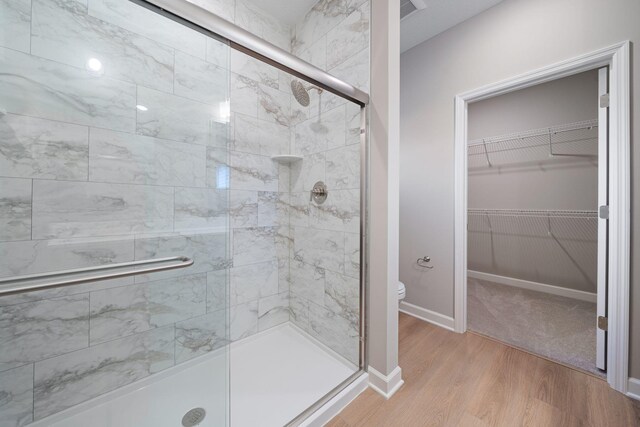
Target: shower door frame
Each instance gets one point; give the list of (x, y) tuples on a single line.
[(239, 39)]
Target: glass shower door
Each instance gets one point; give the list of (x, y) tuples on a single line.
[(113, 123)]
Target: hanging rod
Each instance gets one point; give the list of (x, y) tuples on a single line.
[(535, 213), (553, 130), (15, 285)]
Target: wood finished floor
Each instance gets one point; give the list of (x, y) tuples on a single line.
[(469, 380)]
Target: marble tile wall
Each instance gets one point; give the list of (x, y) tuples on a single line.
[(334, 35), (325, 239), (318, 245), (261, 122), (88, 178)]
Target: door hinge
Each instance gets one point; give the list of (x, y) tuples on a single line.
[(604, 212), (603, 323), (604, 100)]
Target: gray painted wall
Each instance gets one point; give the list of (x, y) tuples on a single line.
[(384, 136), (511, 38), (529, 179)]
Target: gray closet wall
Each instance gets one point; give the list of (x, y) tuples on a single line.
[(529, 178)]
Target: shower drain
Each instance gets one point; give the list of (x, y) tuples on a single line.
[(193, 417)]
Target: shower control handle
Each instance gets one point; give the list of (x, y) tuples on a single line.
[(319, 193)]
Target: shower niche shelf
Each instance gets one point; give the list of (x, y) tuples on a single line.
[(286, 158)]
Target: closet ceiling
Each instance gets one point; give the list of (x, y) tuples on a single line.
[(438, 16)]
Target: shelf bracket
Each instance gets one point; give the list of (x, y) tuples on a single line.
[(486, 214), (486, 153), (550, 145)]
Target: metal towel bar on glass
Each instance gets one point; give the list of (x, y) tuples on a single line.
[(17, 285)]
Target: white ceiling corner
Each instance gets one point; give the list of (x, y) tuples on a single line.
[(437, 17)]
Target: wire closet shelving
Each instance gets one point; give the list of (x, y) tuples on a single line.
[(571, 139), (567, 222), (534, 213)]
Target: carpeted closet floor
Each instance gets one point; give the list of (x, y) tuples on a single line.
[(559, 328)]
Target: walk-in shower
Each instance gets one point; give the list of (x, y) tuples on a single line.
[(163, 259)]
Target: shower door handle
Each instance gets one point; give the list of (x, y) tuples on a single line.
[(17, 285)]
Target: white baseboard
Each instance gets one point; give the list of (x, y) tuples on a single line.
[(427, 315), (334, 406), (386, 385), (534, 286), (633, 388)]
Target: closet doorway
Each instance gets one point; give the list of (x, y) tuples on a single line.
[(542, 212), (534, 166)]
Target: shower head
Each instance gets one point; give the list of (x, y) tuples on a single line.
[(300, 93)]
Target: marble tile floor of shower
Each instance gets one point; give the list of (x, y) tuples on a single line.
[(275, 375)]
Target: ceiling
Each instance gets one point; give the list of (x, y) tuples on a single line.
[(438, 16), (289, 12)]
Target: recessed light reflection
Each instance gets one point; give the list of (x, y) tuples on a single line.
[(222, 177), (141, 107), (224, 111), (94, 64)]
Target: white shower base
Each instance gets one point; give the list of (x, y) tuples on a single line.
[(275, 375)]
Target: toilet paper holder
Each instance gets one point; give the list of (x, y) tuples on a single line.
[(424, 260)]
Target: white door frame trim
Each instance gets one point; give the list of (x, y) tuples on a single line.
[(617, 58)]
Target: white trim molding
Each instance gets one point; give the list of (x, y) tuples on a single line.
[(533, 286), (427, 315), (633, 388), (386, 385), (617, 58)]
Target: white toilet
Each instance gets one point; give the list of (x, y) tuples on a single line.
[(402, 291)]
